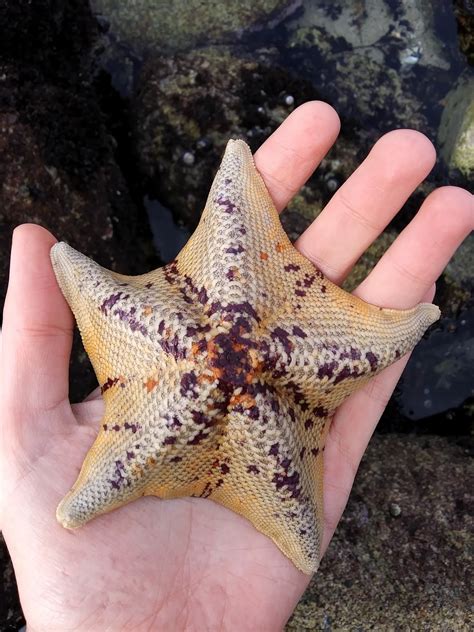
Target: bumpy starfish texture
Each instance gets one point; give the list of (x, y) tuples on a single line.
[(222, 370)]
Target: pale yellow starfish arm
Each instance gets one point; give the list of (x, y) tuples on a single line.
[(239, 236), (331, 342), (140, 307)]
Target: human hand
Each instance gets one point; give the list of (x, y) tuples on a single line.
[(190, 563)]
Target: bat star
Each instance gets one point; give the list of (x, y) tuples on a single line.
[(221, 371)]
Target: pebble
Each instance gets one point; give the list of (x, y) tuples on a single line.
[(188, 158), (289, 100), (395, 510)]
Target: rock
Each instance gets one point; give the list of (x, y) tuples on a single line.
[(11, 617), (187, 107), (438, 377), (175, 25), (380, 63), (410, 572), (456, 132), (58, 167), (413, 24)]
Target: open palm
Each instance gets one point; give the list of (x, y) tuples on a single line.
[(190, 563)]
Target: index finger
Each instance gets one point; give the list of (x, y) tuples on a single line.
[(294, 150)]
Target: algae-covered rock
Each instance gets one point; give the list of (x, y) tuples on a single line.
[(369, 259), (401, 558), (58, 165), (188, 106), (183, 24), (456, 133)]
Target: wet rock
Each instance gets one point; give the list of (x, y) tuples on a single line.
[(146, 25), (456, 133), (369, 259), (412, 24), (189, 105), (58, 166), (409, 572), (464, 12), (11, 617), (379, 61), (438, 377)]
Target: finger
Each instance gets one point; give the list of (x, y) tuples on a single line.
[(447, 217), (362, 207), (291, 154), (37, 326), (420, 253)]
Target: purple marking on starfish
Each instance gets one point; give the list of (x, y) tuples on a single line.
[(373, 360), (320, 411), (200, 418), (108, 384), (297, 331), (188, 384), (225, 469), (169, 441), (253, 412), (192, 330), (202, 296), (233, 308), (174, 423), (253, 469), (274, 449), (309, 279), (327, 370), (290, 482), (353, 354), (282, 336), (291, 267), (120, 480), (172, 347), (130, 319), (201, 435), (110, 302), (133, 427), (235, 251), (346, 373), (228, 206), (300, 293)]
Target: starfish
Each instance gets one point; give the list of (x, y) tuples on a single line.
[(221, 371)]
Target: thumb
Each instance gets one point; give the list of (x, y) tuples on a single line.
[(37, 329)]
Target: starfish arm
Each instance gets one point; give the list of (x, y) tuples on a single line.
[(328, 342), (273, 477), (238, 242), (149, 315), (157, 437)]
